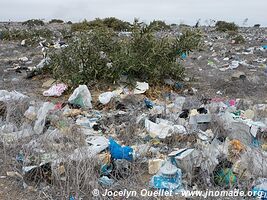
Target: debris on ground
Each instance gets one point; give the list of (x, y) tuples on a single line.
[(208, 130)]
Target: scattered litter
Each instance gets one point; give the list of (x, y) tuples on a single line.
[(106, 181), (120, 152), (6, 96), (154, 165), (23, 43), (41, 117), (23, 59), (149, 104), (81, 97), (234, 64), (105, 97), (141, 87), (180, 135), (169, 177), (56, 90)]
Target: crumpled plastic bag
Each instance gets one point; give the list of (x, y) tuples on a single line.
[(11, 96), (81, 97), (105, 97), (163, 129), (169, 177), (41, 117), (141, 87), (260, 188), (31, 113), (119, 152), (55, 90)]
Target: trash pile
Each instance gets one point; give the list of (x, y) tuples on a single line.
[(196, 136), (180, 139)]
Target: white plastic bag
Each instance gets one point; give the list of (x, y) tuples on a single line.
[(105, 97), (30, 113), (141, 87), (41, 117), (11, 96), (81, 97)]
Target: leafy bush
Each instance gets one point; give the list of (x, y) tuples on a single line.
[(116, 24), (81, 26), (101, 56), (65, 33), (158, 25), (111, 22), (81, 62), (182, 25), (189, 41), (58, 21), (147, 58), (223, 26), (32, 36), (4, 35), (239, 39), (33, 22)]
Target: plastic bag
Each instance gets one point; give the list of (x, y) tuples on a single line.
[(81, 97), (55, 90), (141, 87), (30, 113), (105, 97), (169, 177), (41, 117), (11, 96), (119, 152)]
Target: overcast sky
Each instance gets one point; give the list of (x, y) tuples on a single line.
[(172, 11)]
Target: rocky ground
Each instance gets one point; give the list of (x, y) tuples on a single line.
[(222, 72)]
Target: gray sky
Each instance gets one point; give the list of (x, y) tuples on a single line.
[(172, 11)]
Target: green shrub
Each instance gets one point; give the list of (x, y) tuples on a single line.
[(116, 24), (158, 25), (65, 33), (239, 39), (33, 22), (4, 35), (223, 26), (86, 26), (143, 56), (189, 41), (58, 21), (111, 22), (149, 58), (182, 25), (81, 62), (32, 36), (81, 26)]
